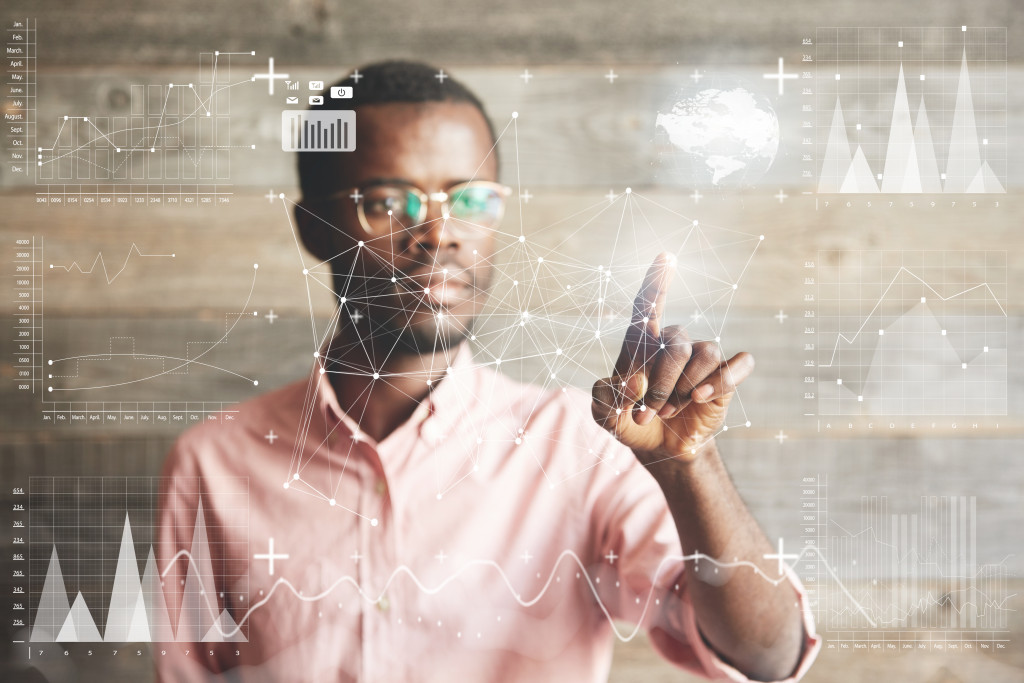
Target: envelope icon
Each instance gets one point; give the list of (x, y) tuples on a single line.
[(291, 100)]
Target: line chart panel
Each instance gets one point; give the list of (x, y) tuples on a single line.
[(161, 143), (908, 333)]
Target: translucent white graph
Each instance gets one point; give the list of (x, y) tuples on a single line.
[(169, 143), (910, 333), (911, 110), (87, 587), (916, 572)]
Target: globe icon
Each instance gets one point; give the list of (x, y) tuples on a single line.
[(720, 136)]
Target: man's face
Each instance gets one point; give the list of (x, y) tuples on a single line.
[(417, 287)]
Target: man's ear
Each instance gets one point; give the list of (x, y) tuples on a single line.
[(316, 235)]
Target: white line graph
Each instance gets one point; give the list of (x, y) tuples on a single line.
[(178, 364), (174, 139), (911, 333), (134, 249)]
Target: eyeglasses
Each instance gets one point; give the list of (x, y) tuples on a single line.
[(473, 207)]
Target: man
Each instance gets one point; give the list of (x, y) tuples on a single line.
[(410, 488)]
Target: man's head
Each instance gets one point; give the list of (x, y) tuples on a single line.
[(417, 276)]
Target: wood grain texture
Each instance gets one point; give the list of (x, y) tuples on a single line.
[(470, 31)]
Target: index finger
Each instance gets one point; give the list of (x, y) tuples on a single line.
[(650, 300)]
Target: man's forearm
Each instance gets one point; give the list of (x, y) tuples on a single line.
[(755, 625)]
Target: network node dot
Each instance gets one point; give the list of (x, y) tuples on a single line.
[(305, 271), (295, 476), (255, 266), (373, 522), (515, 115), (439, 496), (49, 362), (333, 502), (376, 375), (361, 243), (286, 484), (762, 237), (344, 299), (522, 238), (390, 212), (394, 279), (316, 354), (255, 382), (629, 190)]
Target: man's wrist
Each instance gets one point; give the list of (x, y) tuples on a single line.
[(675, 470)]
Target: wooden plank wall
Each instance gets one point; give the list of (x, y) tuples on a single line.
[(577, 137)]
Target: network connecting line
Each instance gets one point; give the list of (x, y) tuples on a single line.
[(551, 319)]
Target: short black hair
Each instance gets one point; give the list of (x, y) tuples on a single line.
[(384, 83)]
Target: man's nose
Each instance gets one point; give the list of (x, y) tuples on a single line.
[(435, 233)]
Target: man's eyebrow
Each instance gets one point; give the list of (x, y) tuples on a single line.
[(387, 181), (405, 181)]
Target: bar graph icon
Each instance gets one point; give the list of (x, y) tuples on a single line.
[(318, 131)]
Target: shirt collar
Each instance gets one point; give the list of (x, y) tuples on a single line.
[(443, 406)]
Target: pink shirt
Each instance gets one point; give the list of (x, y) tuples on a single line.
[(494, 536)]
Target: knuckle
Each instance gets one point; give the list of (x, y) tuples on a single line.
[(658, 393), (707, 352)]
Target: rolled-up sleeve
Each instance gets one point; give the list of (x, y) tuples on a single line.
[(644, 580)]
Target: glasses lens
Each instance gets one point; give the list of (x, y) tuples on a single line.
[(404, 204), (476, 204)]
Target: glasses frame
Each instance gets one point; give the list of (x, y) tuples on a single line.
[(442, 197)]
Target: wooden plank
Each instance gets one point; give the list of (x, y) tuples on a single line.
[(573, 129), (469, 31)]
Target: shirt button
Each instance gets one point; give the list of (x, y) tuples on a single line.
[(382, 487), (432, 432), (383, 604)]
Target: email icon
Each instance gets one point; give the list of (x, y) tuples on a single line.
[(291, 100), (316, 99)]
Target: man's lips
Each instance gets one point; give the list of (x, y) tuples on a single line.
[(438, 288)]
